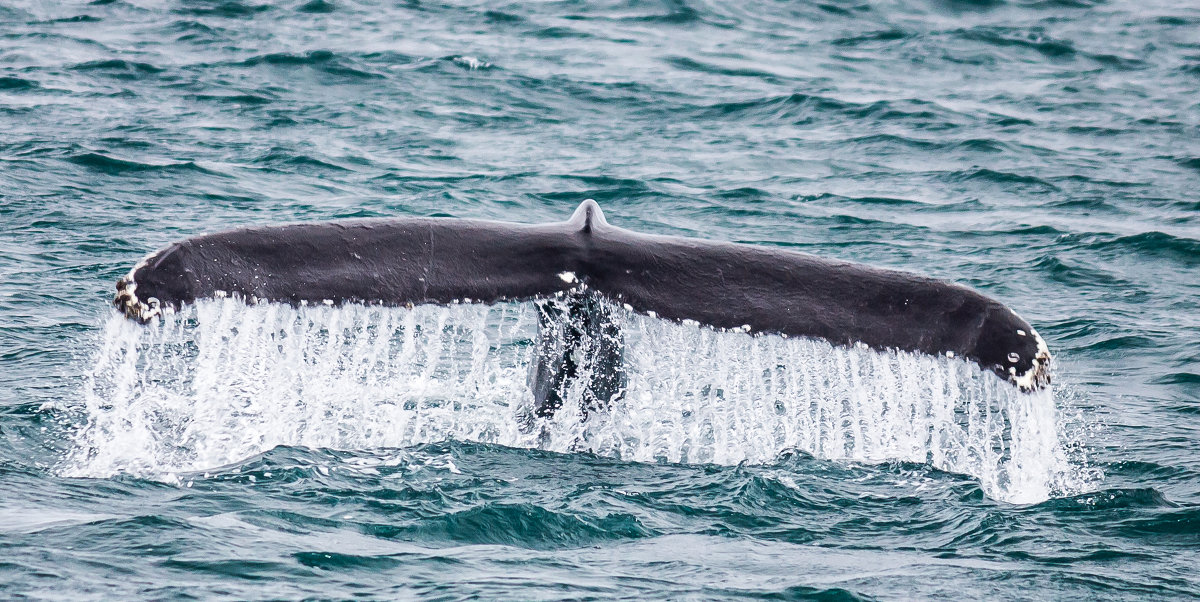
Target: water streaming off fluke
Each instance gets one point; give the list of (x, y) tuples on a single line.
[(222, 381)]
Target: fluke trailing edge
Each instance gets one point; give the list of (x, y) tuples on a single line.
[(740, 287)]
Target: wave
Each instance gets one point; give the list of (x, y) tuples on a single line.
[(119, 68), (325, 61), (317, 7), (689, 64), (113, 166), (17, 83), (1034, 38), (231, 9), (999, 177), (1160, 244)]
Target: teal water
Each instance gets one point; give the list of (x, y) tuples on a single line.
[(1045, 152)]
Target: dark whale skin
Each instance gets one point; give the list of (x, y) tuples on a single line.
[(409, 261)]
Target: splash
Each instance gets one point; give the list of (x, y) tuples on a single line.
[(222, 381)]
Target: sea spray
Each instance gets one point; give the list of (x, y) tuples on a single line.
[(221, 381)]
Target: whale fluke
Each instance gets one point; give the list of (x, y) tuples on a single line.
[(753, 289)]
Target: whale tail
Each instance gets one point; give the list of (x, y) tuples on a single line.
[(735, 287)]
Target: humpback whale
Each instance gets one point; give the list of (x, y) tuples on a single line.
[(596, 267)]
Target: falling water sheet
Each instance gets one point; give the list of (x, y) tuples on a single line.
[(222, 381)]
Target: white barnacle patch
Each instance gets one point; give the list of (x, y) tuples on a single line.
[(568, 277), (1020, 332), (1013, 358), (128, 303), (1039, 370)]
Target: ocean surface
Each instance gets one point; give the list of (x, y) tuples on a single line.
[(1045, 152)]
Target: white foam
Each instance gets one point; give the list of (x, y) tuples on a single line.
[(222, 381)]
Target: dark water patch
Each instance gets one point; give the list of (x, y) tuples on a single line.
[(390, 58), (245, 569), (794, 108), (1190, 69), (1088, 203), (1176, 20), (744, 193), (1005, 178), (1073, 274), (334, 561), (1059, 4), (1041, 230), (1095, 130), (1109, 499), (1189, 162), (1138, 469), (197, 32), (1122, 63), (890, 142), (873, 39), (522, 525), (77, 19), (1178, 378), (497, 16), (231, 9), (834, 9), (1120, 344), (983, 145), (600, 187), (317, 7), (1156, 244), (235, 99), (312, 57), (795, 592), (559, 33), (1106, 182), (15, 83), (324, 61), (880, 201), (1080, 329), (1034, 38), (1176, 526), (291, 161), (120, 68), (682, 15), (1073, 556), (922, 115), (689, 64), (678, 14), (109, 165)]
